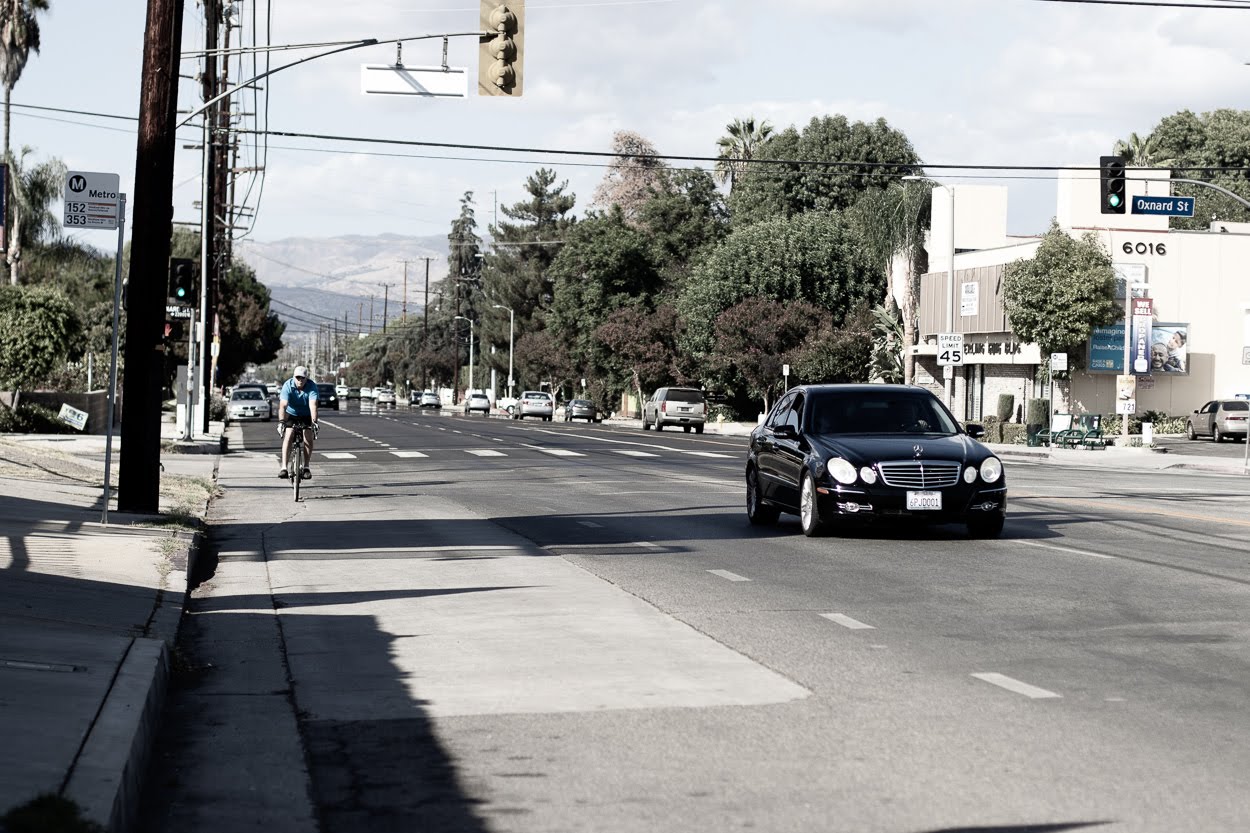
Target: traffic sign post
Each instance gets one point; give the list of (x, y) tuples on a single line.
[(950, 349)]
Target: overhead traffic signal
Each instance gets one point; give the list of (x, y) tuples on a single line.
[(500, 48), (1111, 176), (181, 281)]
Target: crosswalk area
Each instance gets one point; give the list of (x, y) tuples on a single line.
[(523, 451)]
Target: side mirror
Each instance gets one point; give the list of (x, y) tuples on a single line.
[(785, 432), (974, 430)]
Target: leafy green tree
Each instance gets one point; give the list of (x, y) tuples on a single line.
[(19, 34), (776, 188), (37, 328), (892, 223), (1058, 296), (681, 222), (1190, 143), (757, 336), (814, 257), (738, 146), (888, 338), (605, 265), (541, 359), (33, 190), (1141, 151), (839, 354), (516, 271)]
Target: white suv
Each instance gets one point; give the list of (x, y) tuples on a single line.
[(535, 403), (675, 406)]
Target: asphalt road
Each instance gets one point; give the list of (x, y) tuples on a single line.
[(487, 624)]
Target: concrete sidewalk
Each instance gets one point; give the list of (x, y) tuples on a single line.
[(88, 616), (90, 612)]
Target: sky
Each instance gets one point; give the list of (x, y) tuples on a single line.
[(969, 82)]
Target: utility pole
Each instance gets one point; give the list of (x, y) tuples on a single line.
[(209, 199), (386, 291), (152, 223), (425, 310), (403, 309), (371, 313)]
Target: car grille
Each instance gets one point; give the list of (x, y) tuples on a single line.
[(920, 474)]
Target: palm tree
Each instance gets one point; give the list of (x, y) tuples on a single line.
[(738, 148), (33, 191), (19, 34), (1141, 151)]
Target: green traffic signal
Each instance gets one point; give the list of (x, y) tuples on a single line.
[(1114, 200)]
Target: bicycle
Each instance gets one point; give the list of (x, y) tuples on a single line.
[(298, 461)]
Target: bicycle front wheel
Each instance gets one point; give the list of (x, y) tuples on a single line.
[(297, 470)]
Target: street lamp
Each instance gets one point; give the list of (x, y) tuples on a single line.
[(511, 332), (948, 380), (470, 320)]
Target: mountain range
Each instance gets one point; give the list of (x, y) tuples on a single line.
[(352, 280)]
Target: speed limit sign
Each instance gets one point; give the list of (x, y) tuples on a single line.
[(950, 348)]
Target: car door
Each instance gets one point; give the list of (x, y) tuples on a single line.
[(790, 452), (1203, 421), (772, 485)]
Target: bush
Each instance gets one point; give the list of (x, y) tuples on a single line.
[(32, 419), (1113, 425), (1038, 412), (217, 408), (993, 429), (1015, 434), (1006, 405)]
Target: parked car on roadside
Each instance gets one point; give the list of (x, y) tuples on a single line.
[(507, 404), (341, 391), (384, 397), (841, 454), (537, 403), (675, 406), (581, 409), (248, 402), (1219, 419), (477, 401), (327, 396)]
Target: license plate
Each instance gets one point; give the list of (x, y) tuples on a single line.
[(921, 501)]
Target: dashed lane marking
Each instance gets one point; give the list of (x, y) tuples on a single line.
[(847, 622), (1014, 685), (338, 455), (484, 452), (410, 454), (728, 576), (709, 454), (1064, 549), (629, 452)]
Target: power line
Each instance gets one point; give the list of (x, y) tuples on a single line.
[(1159, 3)]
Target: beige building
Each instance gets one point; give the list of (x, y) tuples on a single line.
[(1198, 282)]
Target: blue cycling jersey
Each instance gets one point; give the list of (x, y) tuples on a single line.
[(297, 399)]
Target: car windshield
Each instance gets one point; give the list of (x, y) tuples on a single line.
[(679, 395), (872, 413), (246, 394), (542, 397)]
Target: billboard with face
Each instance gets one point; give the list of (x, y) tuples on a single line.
[(1169, 349)]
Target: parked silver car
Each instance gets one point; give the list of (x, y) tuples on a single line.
[(1219, 419), (675, 406), (248, 403), (477, 401)]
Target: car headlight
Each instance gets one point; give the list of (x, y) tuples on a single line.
[(991, 470), (867, 475), (841, 470), (970, 474)]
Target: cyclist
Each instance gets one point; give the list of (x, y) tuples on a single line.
[(297, 408)]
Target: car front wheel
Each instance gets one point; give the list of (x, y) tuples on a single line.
[(809, 512), (758, 513), (1216, 435), (1190, 433)]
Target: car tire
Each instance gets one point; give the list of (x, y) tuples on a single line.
[(686, 428), (646, 426), (990, 526), (758, 512), (1216, 436), (1189, 431), (659, 426), (809, 509), (698, 429)]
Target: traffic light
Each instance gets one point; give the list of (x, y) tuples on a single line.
[(181, 281), (500, 47), (1111, 174)]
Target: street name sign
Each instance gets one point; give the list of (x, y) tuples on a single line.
[(1164, 206), (92, 200), (426, 82), (950, 348)]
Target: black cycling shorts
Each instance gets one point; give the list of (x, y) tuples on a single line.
[(293, 421)]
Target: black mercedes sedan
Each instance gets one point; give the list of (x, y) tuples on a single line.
[(841, 454)]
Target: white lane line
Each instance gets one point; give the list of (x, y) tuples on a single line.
[(410, 454), (725, 574), (1011, 684), (647, 545), (847, 622), (338, 455), (591, 524), (484, 452), (629, 452), (561, 452), (709, 454), (1063, 549)]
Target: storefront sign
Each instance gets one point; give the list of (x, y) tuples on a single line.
[(1168, 349)]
